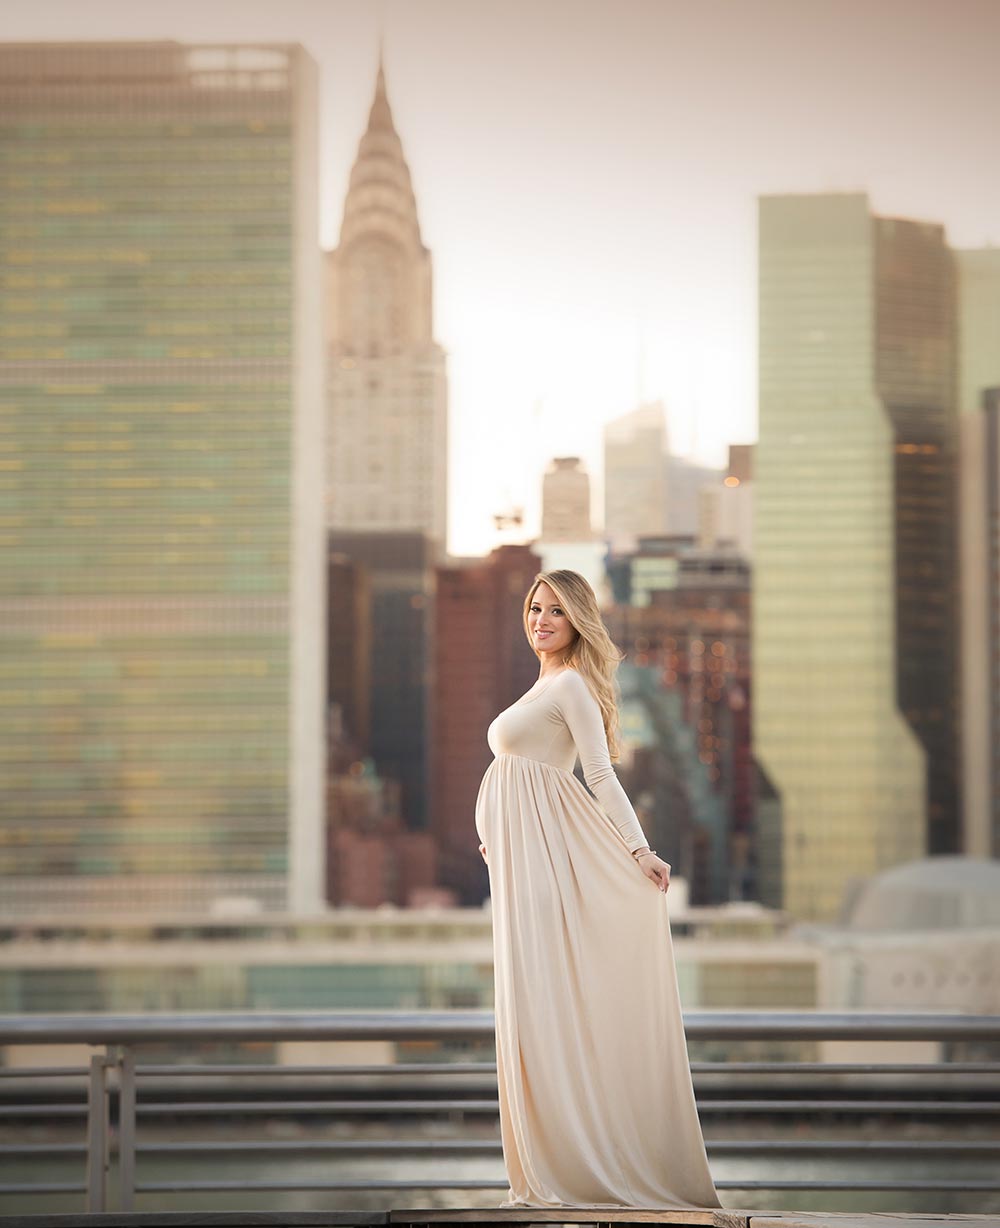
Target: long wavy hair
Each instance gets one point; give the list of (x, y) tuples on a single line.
[(593, 653)]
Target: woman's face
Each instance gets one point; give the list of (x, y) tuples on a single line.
[(551, 631)]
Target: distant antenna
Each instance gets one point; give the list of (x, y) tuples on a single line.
[(381, 34), (696, 416), (640, 362)]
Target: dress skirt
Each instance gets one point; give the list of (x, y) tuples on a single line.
[(596, 1102)]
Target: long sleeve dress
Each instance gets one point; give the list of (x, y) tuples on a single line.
[(596, 1102)]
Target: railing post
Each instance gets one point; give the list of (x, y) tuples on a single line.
[(97, 1133), (126, 1128)]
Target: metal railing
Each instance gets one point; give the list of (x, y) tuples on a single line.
[(973, 1093)]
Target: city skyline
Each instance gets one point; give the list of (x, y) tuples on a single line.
[(554, 214)]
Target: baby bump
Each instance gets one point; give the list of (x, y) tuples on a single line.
[(487, 804), (517, 795)]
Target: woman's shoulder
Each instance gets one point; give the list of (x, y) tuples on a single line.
[(571, 682)]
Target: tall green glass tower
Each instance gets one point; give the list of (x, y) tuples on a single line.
[(161, 483), (855, 619)]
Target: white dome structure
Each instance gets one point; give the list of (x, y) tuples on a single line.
[(935, 893)]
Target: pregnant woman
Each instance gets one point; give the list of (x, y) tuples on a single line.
[(596, 1103)]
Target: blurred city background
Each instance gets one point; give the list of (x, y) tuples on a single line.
[(325, 327)]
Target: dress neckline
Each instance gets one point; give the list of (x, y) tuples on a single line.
[(527, 697)]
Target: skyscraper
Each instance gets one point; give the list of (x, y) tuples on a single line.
[(855, 587), (635, 475), (483, 662), (683, 619), (161, 624), (396, 652), (567, 539), (566, 502), (979, 384), (348, 653), (725, 506), (685, 481), (981, 626), (979, 332), (387, 410)]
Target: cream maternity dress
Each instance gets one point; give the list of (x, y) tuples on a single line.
[(596, 1102)]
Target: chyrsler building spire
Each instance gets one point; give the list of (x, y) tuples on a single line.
[(387, 388), (380, 197)]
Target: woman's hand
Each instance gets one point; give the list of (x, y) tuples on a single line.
[(656, 870), (482, 851)]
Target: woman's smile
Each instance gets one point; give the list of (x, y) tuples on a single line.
[(552, 632)]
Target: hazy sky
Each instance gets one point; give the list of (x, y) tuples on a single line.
[(586, 175)]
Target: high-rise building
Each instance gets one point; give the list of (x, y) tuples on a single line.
[(685, 481), (349, 646), (653, 566), (635, 475), (483, 662), (979, 325), (566, 501), (387, 410), (161, 620), (725, 505), (740, 465), (647, 491), (979, 387), (397, 574), (981, 706), (855, 622), (684, 623), (567, 540), (373, 858)]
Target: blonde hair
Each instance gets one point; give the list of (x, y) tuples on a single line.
[(592, 654)]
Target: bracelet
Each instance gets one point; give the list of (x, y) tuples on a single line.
[(647, 849)]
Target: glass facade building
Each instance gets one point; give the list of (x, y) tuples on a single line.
[(161, 619), (855, 542), (991, 409), (399, 574), (979, 383)]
